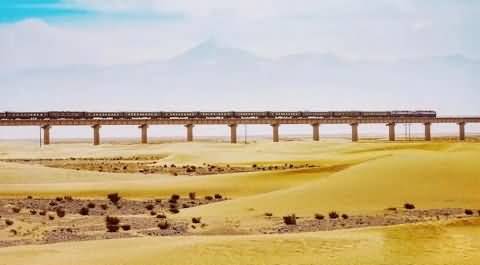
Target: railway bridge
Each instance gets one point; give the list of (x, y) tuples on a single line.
[(232, 123)]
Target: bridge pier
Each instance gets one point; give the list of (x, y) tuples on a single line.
[(233, 133), (144, 128), (391, 131), (275, 127), (316, 131), (189, 132), (428, 134), (46, 134), (354, 132), (461, 127), (96, 134)]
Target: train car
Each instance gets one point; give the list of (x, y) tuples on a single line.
[(180, 115), (253, 114), (66, 115), (3, 115), (214, 114), (316, 114), (287, 114), (376, 114), (346, 114), (144, 115), (106, 115), (26, 115), (426, 113)]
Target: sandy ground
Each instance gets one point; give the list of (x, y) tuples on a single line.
[(361, 180)]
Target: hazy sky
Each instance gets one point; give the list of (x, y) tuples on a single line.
[(117, 54)]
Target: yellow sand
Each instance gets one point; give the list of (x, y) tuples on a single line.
[(354, 178), (433, 244)]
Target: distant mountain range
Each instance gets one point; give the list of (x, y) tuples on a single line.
[(211, 76)]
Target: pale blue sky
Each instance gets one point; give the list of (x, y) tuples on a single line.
[(261, 54)]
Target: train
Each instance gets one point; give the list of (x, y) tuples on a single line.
[(55, 115)]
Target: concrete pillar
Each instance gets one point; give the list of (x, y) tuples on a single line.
[(428, 134), (233, 133), (144, 128), (96, 134), (461, 127), (391, 131), (275, 132), (316, 131), (189, 132), (354, 132), (46, 134)]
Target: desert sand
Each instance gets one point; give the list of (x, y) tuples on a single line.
[(361, 180)]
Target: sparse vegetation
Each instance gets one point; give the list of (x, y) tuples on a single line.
[(161, 216), (218, 196), (8, 222), (84, 211), (149, 207), (104, 206), (126, 227), (91, 205), (290, 219), (345, 216), (60, 212), (269, 214), (196, 220), (16, 209), (468, 212), (174, 210), (192, 195), (333, 215), (163, 224), (114, 198), (319, 216), (112, 224), (208, 198), (409, 206)]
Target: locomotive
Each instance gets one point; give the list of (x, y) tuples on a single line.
[(55, 115)]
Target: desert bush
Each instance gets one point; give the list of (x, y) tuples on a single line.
[(68, 198), (114, 197), (344, 216), (152, 213), (111, 220), (333, 215), (174, 210), (409, 206), (319, 216), (112, 228), (161, 216), (59, 199), (42, 212), (192, 195), (391, 209), (51, 217), (16, 209), (8, 222), (175, 197), (125, 227), (196, 220), (149, 207), (269, 214), (208, 198), (163, 224), (60, 212), (52, 203), (29, 197), (254, 166), (33, 212), (104, 206), (91, 205), (83, 211), (184, 205), (218, 196), (158, 200), (290, 219), (468, 212)]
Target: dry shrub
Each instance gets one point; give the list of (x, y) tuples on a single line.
[(152, 213), (192, 195), (149, 207), (52, 203), (163, 224), (333, 215), (42, 212), (161, 216), (174, 210), (114, 197), (196, 220), (104, 206), (16, 209), (125, 227), (290, 219), (91, 205), (269, 214), (468, 212), (68, 198), (33, 212), (59, 199), (319, 216), (112, 224), (60, 212), (51, 217), (344, 216), (175, 197), (8, 222), (83, 211), (409, 206), (29, 197), (208, 198), (218, 196)]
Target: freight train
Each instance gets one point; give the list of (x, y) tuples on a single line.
[(55, 115)]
